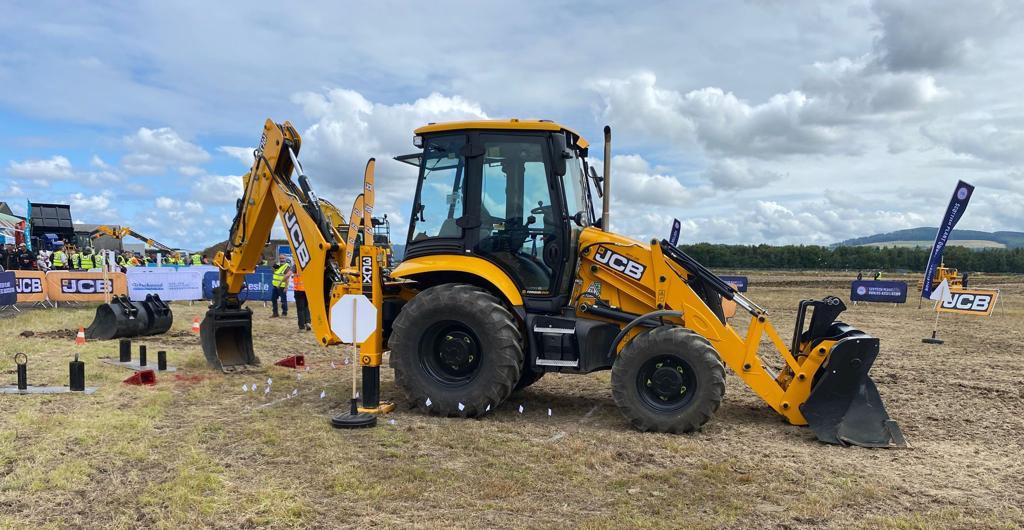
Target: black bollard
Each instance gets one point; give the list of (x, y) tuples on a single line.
[(161, 360), (126, 351), (77, 370), (22, 361), (142, 355)]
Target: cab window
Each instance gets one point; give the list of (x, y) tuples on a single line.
[(440, 194)]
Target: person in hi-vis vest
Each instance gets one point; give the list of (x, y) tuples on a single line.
[(59, 259), (301, 303), (279, 285)]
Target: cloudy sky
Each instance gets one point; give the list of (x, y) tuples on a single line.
[(770, 121)]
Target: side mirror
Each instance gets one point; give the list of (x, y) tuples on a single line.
[(560, 153)]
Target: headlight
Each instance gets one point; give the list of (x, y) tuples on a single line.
[(417, 141)]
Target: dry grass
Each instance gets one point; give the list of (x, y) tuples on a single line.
[(199, 453)]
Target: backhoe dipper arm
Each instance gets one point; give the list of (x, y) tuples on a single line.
[(317, 248)]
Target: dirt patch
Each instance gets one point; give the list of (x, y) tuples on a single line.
[(60, 334)]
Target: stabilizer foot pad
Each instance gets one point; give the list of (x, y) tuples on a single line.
[(354, 421)]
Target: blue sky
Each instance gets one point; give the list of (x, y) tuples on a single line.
[(779, 122)]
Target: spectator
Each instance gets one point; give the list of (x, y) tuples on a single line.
[(76, 259), (26, 258), (279, 285), (5, 256), (860, 276), (963, 282), (301, 303), (43, 260), (59, 259), (878, 275)]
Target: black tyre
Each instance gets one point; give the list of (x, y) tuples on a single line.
[(528, 377), (456, 344), (669, 379)]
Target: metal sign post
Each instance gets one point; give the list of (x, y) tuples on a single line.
[(354, 319)]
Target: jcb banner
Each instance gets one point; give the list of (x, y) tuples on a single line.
[(30, 286), (84, 286), (970, 301)]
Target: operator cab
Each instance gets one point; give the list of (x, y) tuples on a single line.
[(514, 193)]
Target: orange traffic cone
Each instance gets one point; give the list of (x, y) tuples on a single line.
[(195, 325), (80, 338)]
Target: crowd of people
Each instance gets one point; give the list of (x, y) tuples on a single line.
[(69, 258)]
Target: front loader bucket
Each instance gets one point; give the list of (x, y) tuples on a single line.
[(844, 406), (160, 316), (120, 318), (226, 335)]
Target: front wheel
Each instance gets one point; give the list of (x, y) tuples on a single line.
[(669, 379), (456, 351)]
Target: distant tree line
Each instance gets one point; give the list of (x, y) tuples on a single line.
[(852, 258)]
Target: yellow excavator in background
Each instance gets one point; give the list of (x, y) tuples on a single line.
[(510, 273), (121, 232)]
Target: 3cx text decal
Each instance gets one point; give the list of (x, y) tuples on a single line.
[(367, 269), (619, 263), (295, 235)]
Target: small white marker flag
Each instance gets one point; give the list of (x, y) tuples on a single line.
[(941, 293)]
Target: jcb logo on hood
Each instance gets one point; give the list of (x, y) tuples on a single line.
[(619, 263), (291, 223), (84, 286)]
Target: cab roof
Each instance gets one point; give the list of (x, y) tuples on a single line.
[(509, 124)]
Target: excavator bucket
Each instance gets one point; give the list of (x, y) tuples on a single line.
[(226, 335), (159, 313), (125, 318), (844, 406)]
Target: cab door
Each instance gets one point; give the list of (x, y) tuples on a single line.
[(522, 225)]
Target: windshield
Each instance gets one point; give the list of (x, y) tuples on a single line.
[(577, 194), (439, 200)]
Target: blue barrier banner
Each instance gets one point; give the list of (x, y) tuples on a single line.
[(739, 282), (257, 286), (8, 291), (955, 210), (878, 291)]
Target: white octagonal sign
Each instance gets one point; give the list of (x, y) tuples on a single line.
[(353, 318)]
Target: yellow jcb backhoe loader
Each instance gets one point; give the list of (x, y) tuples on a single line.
[(510, 273)]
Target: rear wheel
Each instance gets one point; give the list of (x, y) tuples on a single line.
[(456, 344), (528, 377), (669, 379)]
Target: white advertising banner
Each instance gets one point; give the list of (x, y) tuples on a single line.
[(182, 284)]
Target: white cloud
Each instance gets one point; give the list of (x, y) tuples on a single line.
[(98, 163), (242, 154), (152, 150), (348, 128), (734, 174), (54, 168), (218, 188)]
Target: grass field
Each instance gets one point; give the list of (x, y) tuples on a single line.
[(195, 451)]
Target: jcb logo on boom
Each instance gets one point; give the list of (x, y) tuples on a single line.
[(978, 303), (291, 223), (619, 263), (85, 286)]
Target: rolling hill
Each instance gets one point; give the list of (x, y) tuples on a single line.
[(923, 237)]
